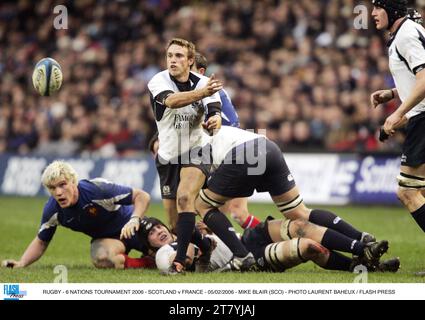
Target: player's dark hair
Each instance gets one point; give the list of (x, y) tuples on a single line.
[(200, 61), (152, 141), (146, 225)]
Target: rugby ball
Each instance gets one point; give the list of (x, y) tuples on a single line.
[(47, 76), (164, 258)]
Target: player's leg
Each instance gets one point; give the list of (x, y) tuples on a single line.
[(288, 254), (411, 180), (207, 205), (282, 230), (170, 207), (291, 205), (108, 253), (237, 208), (191, 181)]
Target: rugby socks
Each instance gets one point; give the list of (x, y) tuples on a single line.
[(250, 222), (221, 226), (136, 263), (184, 229), (334, 240), (338, 261), (330, 220), (419, 216), (202, 242)]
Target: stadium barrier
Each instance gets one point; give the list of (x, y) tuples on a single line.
[(322, 178)]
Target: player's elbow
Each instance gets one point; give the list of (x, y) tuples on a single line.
[(140, 195)]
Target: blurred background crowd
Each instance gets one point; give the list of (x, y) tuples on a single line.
[(297, 68)]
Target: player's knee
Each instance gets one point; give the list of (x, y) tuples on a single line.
[(102, 260), (310, 249), (183, 201), (407, 196)]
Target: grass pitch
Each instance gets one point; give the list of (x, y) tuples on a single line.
[(20, 219)]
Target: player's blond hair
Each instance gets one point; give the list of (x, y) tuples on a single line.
[(190, 46), (56, 169)]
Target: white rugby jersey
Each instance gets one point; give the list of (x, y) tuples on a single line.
[(220, 255), (179, 129), (226, 139), (406, 57)]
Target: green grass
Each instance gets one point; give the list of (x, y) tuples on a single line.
[(20, 218)]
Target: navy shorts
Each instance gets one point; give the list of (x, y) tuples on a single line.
[(169, 173), (414, 144), (134, 243), (254, 165)]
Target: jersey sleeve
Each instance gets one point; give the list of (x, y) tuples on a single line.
[(49, 222), (228, 111), (411, 47), (157, 86)]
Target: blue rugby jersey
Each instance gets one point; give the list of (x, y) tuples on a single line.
[(228, 113), (103, 208)]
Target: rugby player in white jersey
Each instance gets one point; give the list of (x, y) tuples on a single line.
[(243, 162), (406, 51), (180, 98)]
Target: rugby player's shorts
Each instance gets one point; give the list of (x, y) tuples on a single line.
[(238, 176), (414, 144), (169, 173)]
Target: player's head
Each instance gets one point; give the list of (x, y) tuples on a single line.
[(201, 64), (180, 56), (386, 12), (154, 233), (61, 180), (154, 144)]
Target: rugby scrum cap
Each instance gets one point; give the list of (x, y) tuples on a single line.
[(146, 225), (395, 9)]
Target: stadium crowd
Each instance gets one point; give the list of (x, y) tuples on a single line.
[(297, 68)]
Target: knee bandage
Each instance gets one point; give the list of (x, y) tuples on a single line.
[(409, 181), (213, 203), (284, 230), (285, 207)]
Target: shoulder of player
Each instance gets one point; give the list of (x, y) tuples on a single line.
[(408, 31), (160, 76)]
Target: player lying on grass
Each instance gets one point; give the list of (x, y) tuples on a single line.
[(267, 242), (244, 162), (109, 213)]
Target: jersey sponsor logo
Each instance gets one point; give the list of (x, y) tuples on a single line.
[(403, 158), (290, 177)]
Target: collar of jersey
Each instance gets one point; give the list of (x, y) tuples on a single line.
[(392, 35)]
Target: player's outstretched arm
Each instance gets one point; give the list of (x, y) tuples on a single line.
[(382, 96), (181, 99), (34, 252), (141, 201)]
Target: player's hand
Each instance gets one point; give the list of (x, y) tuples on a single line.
[(130, 228), (213, 86), (381, 96), (11, 264), (212, 124), (393, 122)]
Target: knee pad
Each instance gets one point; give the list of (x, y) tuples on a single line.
[(211, 202), (409, 181), (285, 207), (284, 230), (293, 258)]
